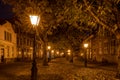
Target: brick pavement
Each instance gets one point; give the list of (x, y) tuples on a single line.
[(58, 69)]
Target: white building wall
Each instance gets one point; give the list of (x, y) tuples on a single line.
[(4, 44)]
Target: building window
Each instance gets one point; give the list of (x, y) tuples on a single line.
[(24, 41), (20, 41), (8, 51), (12, 51), (7, 36), (27, 42), (10, 37)]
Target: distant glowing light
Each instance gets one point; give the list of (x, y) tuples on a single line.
[(49, 47), (69, 51), (81, 54), (86, 45), (52, 51), (57, 52)]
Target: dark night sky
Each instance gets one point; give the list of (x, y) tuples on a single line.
[(5, 11)]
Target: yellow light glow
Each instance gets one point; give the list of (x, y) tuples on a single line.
[(19, 52), (57, 52), (34, 19), (49, 47), (85, 45), (52, 51), (81, 54), (69, 51)]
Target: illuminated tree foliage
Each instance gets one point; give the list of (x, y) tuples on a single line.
[(84, 15), (66, 37), (106, 13)]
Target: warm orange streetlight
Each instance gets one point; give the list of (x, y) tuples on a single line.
[(86, 46), (52, 51), (49, 47), (34, 21), (68, 51)]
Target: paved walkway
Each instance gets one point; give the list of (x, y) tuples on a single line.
[(58, 69)]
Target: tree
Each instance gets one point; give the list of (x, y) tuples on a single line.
[(106, 13), (83, 15)]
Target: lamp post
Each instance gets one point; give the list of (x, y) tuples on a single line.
[(53, 55), (34, 21), (70, 56), (49, 47), (85, 46), (49, 54)]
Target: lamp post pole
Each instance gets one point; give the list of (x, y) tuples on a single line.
[(85, 46), (34, 20), (34, 64), (49, 53)]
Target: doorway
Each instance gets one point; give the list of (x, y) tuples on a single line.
[(2, 55)]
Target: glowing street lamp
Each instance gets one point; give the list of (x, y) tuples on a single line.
[(69, 52), (52, 51), (85, 46), (49, 53), (70, 55), (49, 47), (34, 21), (57, 52)]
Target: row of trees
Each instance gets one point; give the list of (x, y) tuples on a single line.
[(83, 14), (78, 17)]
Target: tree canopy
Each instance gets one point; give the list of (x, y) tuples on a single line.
[(85, 15)]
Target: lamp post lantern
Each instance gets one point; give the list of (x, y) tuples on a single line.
[(85, 46), (34, 21), (49, 47), (70, 56)]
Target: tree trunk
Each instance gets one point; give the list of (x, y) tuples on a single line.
[(45, 51)]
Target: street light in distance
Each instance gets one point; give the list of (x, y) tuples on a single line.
[(85, 46), (49, 47)]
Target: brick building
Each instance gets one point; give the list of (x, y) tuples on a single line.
[(103, 46), (25, 46)]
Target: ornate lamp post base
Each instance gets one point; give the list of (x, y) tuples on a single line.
[(34, 71), (85, 63)]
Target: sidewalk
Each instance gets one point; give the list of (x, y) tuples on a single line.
[(58, 69)]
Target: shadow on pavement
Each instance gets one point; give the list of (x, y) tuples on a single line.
[(41, 77)]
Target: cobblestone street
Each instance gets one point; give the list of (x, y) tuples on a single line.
[(58, 69)]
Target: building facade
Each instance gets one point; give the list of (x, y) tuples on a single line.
[(103, 47), (25, 46), (107, 46), (7, 42)]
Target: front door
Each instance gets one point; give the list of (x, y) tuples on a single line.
[(2, 55)]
